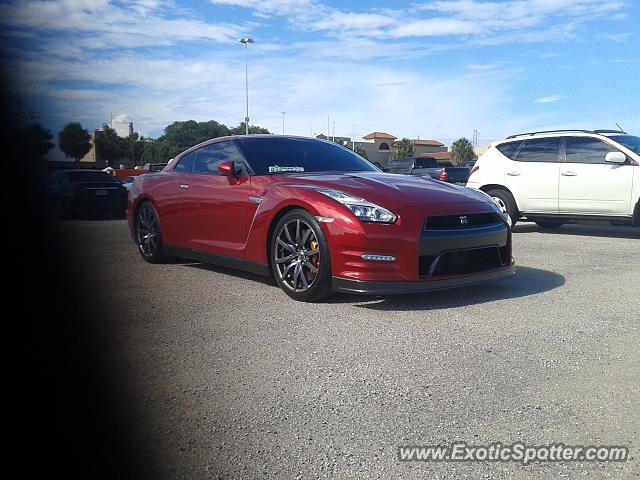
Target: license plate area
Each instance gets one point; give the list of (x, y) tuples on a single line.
[(101, 193)]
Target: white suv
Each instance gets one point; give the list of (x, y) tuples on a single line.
[(563, 176)]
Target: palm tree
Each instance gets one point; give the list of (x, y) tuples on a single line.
[(37, 141), (462, 151), (74, 141), (403, 148)]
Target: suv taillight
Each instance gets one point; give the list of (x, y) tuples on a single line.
[(443, 175)]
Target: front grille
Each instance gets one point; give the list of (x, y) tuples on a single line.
[(462, 262), (472, 220)]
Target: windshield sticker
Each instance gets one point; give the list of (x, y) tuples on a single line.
[(279, 169)]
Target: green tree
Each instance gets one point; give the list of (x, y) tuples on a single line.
[(462, 151), (109, 146), (179, 136), (402, 149), (74, 141), (360, 151), (35, 142), (135, 146), (253, 130)]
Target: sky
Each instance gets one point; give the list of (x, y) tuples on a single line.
[(428, 69)]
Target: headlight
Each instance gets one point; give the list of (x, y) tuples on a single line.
[(364, 210)]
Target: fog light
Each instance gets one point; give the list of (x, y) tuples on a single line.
[(378, 258)]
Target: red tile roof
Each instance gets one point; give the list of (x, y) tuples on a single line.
[(430, 143), (383, 135)]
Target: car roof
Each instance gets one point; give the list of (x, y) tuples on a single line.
[(258, 136), (560, 133), (79, 170)]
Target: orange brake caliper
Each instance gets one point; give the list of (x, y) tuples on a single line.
[(315, 260)]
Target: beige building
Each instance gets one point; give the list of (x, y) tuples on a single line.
[(380, 145), (92, 159)]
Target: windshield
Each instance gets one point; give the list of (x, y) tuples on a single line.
[(629, 141), (277, 155)]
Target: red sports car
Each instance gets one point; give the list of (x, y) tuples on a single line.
[(317, 217)]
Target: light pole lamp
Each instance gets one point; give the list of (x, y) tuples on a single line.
[(246, 42)]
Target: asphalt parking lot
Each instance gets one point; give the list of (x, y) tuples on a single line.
[(222, 375)]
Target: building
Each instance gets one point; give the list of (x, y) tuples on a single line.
[(432, 149), (92, 159), (377, 146), (380, 145)]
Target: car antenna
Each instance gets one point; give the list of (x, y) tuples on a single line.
[(620, 128)]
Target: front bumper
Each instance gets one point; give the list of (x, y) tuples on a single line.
[(366, 287)]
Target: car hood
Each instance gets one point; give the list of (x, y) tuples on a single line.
[(391, 191)]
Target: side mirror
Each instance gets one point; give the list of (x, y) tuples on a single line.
[(385, 169), (228, 169), (615, 157)]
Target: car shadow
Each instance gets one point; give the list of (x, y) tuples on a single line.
[(224, 270), (527, 281), (585, 230)]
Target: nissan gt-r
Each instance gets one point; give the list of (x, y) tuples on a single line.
[(318, 218)]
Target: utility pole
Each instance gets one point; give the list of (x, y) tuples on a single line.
[(333, 135), (353, 137), (328, 131), (283, 114), (246, 42)]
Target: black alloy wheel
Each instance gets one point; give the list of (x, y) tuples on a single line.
[(148, 234), (300, 257)]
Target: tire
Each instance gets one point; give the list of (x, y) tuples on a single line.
[(548, 223), (295, 238), (507, 202), (148, 234)]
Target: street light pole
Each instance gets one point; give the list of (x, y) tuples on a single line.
[(246, 42), (283, 114)]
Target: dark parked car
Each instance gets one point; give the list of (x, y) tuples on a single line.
[(428, 167), (86, 192), (468, 165)]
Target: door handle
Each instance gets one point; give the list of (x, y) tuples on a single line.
[(184, 185), (513, 173), (569, 174)]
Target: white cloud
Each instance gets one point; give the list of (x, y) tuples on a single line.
[(274, 7), (350, 65), (350, 21), (106, 25), (436, 27), (550, 99)]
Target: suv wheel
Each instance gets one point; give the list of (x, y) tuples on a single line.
[(506, 202)]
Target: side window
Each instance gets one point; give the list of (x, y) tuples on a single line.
[(543, 150), (509, 149), (185, 164), (587, 150), (211, 156), (420, 163)]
